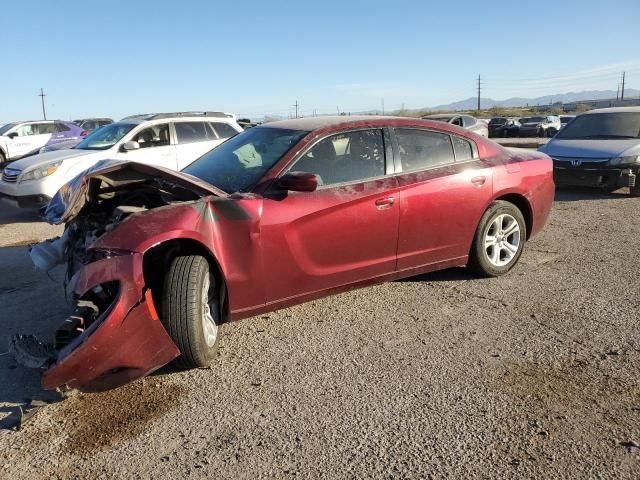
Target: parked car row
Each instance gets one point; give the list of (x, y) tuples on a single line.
[(168, 140), (535, 126)]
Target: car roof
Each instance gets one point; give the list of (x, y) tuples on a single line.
[(140, 120), (313, 123), (614, 110)]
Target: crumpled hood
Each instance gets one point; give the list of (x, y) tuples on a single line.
[(47, 157), (70, 199), (590, 148)]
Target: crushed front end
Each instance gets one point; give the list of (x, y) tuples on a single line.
[(114, 334)]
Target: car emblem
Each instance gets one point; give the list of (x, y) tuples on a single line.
[(576, 162)]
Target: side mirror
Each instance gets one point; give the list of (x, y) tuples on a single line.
[(298, 182), (12, 135), (130, 145)]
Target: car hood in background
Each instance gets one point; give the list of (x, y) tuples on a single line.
[(47, 157), (70, 199), (589, 148)]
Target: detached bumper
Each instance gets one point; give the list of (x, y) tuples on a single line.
[(605, 178), (126, 342)]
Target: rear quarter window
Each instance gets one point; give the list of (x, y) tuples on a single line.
[(421, 149)]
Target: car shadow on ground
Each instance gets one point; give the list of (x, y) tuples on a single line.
[(448, 275), (10, 213), (31, 302), (575, 194)]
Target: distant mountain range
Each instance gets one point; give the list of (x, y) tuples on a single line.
[(472, 102)]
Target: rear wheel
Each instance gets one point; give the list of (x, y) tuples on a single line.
[(499, 240), (190, 310)]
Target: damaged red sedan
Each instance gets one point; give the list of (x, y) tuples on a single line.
[(280, 214)]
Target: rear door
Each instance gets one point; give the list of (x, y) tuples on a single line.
[(444, 190), (155, 147), (345, 231), (194, 139)]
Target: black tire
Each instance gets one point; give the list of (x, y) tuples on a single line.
[(479, 260), (635, 191), (183, 310), (3, 159)]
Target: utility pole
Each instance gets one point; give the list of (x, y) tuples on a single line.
[(622, 92), (42, 95), (296, 105), (479, 88)]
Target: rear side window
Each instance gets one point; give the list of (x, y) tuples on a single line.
[(61, 127), (46, 128), (420, 149), (463, 149), (224, 130), (468, 121), (346, 157), (191, 132)]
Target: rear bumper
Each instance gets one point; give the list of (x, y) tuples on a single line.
[(126, 342), (601, 178)]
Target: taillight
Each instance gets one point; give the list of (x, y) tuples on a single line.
[(84, 133)]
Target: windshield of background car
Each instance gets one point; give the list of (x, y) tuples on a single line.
[(535, 119), (603, 125), (238, 164), (105, 137), (4, 129), (440, 119), (497, 121)]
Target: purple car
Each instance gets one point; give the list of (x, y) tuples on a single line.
[(22, 139)]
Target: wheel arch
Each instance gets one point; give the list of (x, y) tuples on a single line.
[(156, 261), (521, 202)]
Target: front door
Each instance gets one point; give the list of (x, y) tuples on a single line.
[(345, 231)]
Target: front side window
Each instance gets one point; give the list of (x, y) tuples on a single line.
[(237, 164), (191, 132), (346, 157), (26, 130), (106, 137), (154, 136), (421, 149)]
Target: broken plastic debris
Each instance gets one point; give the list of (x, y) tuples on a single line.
[(31, 352), (48, 254)]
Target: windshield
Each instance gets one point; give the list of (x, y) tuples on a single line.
[(497, 121), (4, 129), (105, 137), (237, 164), (440, 118), (533, 120), (603, 126)]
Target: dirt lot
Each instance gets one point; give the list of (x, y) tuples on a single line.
[(532, 375)]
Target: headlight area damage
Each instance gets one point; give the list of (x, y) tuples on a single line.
[(114, 334)]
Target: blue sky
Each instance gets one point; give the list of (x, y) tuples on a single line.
[(118, 57)]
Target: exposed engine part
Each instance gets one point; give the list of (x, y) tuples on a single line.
[(48, 254), (31, 352)]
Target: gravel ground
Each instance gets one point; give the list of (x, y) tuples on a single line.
[(531, 375)]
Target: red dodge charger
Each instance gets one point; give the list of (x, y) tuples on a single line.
[(278, 215)]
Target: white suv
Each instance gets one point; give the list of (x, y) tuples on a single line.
[(168, 140)]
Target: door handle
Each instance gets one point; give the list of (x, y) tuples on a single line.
[(479, 181), (386, 202)]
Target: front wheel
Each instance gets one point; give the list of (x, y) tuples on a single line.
[(499, 240), (190, 310)]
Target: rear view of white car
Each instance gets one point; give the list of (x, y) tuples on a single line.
[(168, 140)]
